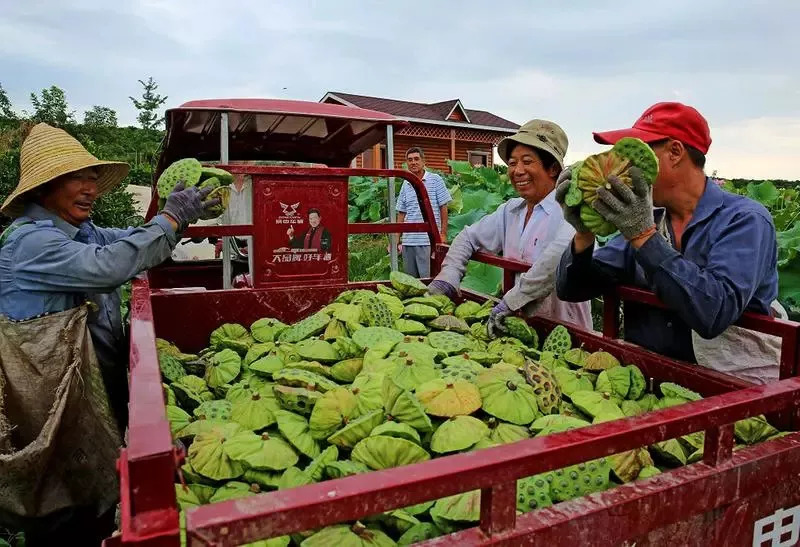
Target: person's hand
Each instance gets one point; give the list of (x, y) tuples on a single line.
[(290, 232), (496, 327), (399, 247), (629, 210), (438, 286), (187, 205), (571, 214)]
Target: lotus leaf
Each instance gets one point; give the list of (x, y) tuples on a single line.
[(311, 366), (207, 457), (461, 508), (190, 391), (638, 383), (163, 346), (333, 410), (418, 533), (254, 413), (186, 497), (753, 430), (267, 329), (316, 468), (450, 322), (631, 408), (669, 452), (409, 326), (571, 381), (395, 429), (615, 381), (335, 329), (594, 404), (556, 423), (257, 351), (449, 398), (294, 477), (648, 471), (357, 429), (507, 396), (317, 350), (368, 389), (467, 310), (407, 285), (261, 452), (410, 374), (343, 535), (347, 370), (457, 434), (344, 468), (234, 490), (267, 480), (627, 465), (503, 433), (383, 452), (671, 390), (223, 367), (178, 419), (402, 406), (346, 347), (296, 430)]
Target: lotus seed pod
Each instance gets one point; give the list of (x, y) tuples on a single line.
[(406, 285), (449, 398), (382, 452), (600, 360), (187, 170), (558, 341)]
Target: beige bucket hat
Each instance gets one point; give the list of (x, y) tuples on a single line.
[(540, 134), (49, 152)]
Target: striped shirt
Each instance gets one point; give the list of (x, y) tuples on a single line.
[(407, 203)]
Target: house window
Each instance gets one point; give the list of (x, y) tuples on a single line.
[(368, 157), (478, 158)]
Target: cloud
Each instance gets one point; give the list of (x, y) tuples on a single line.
[(586, 65)]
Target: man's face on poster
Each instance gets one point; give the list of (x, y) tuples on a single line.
[(313, 219)]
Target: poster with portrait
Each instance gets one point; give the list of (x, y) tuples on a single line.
[(306, 231)]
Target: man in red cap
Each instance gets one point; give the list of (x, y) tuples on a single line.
[(708, 254)]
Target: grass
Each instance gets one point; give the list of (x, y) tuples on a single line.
[(369, 258)]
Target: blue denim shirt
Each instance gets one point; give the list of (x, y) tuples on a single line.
[(728, 264), (48, 265)]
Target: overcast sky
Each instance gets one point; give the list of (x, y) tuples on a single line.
[(585, 64)]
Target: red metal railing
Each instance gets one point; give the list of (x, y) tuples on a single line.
[(147, 466)]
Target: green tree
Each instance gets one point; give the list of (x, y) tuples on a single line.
[(100, 116), (6, 111), (149, 104), (51, 107)]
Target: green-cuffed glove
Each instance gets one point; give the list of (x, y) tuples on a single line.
[(630, 211), (571, 214)]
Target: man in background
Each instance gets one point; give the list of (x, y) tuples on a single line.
[(416, 246)]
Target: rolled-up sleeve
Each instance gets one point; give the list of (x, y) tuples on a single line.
[(712, 297), (47, 260), (485, 235), (538, 282)]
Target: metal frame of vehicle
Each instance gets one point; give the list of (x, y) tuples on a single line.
[(715, 502)]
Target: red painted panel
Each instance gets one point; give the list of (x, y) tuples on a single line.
[(285, 252)]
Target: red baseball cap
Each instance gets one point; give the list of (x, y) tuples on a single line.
[(665, 120)]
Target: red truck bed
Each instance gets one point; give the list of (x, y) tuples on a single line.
[(729, 498)]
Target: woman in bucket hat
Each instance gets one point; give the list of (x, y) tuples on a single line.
[(530, 228), (53, 260)]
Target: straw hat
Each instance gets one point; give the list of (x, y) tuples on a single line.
[(48, 153), (540, 134)]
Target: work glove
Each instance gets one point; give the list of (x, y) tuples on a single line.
[(187, 205), (629, 210), (442, 287), (497, 317), (571, 214)]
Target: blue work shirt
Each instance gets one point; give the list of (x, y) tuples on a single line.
[(48, 265), (727, 265)]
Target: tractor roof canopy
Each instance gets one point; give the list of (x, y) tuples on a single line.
[(272, 130)]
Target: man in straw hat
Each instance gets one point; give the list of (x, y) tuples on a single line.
[(53, 259), (708, 254), (530, 228)]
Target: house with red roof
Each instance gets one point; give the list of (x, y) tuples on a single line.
[(444, 130)]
